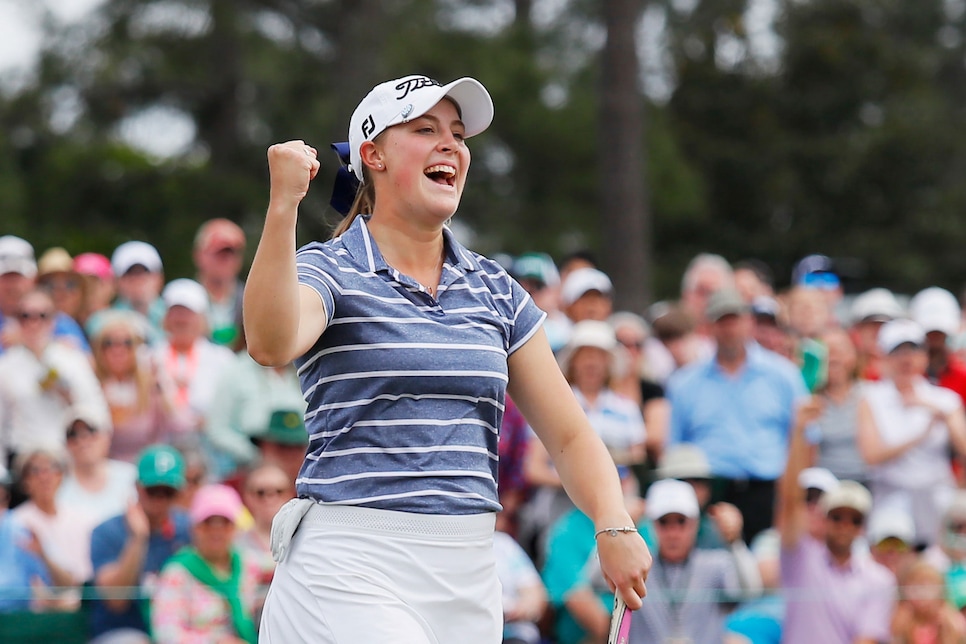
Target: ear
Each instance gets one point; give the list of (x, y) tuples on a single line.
[(371, 156)]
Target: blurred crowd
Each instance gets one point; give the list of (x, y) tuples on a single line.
[(794, 457)]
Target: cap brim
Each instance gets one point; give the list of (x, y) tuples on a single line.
[(474, 101)]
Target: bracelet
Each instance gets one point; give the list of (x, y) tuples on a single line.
[(613, 531)]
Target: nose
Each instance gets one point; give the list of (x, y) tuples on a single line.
[(447, 141)]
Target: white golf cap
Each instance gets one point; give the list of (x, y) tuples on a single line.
[(818, 478), (890, 522), (671, 496), (936, 309), (584, 280), (17, 256), (135, 253), (875, 305), (187, 293), (402, 100), (896, 333)]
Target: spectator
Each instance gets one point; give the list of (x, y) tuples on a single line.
[(60, 534), (206, 592), (242, 404), (770, 330), (140, 403), (753, 280), (40, 379), (219, 248), (283, 441), (948, 554), (140, 276), (537, 273), (869, 312), (906, 427), (95, 485), (636, 383), (128, 550), (678, 346), (923, 614), (20, 569), (187, 361), (837, 426), (96, 271), (56, 275), (891, 535), (18, 271), (808, 312), (738, 407), (705, 275), (524, 597), (719, 524), (689, 590), (817, 272), (833, 596), (937, 312), (265, 490), (587, 294)]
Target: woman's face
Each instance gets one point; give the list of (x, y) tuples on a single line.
[(841, 356), (87, 446), (67, 291), (41, 478), (36, 316), (907, 362), (213, 537), (590, 368), (116, 351), (425, 162)]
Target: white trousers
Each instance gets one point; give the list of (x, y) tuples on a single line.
[(353, 575)]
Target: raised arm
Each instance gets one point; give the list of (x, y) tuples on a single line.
[(282, 319), (791, 510), (585, 468)]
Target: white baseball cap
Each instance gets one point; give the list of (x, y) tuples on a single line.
[(402, 100), (936, 309), (895, 333), (886, 522), (17, 256), (584, 280), (671, 496), (187, 293), (134, 253), (848, 494), (875, 305), (818, 478)]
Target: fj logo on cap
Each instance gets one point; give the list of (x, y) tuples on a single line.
[(411, 84), (368, 127)]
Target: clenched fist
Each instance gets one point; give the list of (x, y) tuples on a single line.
[(291, 165)]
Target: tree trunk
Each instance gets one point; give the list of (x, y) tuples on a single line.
[(626, 218)]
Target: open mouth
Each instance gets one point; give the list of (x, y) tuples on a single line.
[(442, 174)]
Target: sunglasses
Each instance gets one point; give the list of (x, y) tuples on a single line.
[(669, 520), (160, 492), (62, 285), (34, 315), (854, 519), (78, 430), (264, 492), (893, 545), (33, 470), (107, 343), (957, 527), (824, 281), (636, 344)]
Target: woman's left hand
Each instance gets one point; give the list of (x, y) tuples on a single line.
[(625, 562)]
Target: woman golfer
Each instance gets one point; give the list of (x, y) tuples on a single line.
[(406, 343)]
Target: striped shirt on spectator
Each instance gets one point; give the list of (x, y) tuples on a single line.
[(406, 391)]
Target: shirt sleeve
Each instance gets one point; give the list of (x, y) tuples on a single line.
[(527, 317), (315, 267)]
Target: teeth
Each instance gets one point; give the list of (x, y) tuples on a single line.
[(441, 169)]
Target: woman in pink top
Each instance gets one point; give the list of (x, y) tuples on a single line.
[(140, 406)]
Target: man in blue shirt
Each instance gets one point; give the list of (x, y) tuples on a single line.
[(738, 407), (128, 551)]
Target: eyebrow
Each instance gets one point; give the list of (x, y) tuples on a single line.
[(434, 119)]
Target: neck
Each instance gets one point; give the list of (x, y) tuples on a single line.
[(731, 359), (46, 505), (157, 522), (222, 561), (182, 345), (407, 247), (219, 288), (90, 474), (838, 389)]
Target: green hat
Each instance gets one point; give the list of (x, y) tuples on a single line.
[(285, 427), (161, 465)]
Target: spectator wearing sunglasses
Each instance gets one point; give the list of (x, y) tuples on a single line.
[(18, 274), (56, 275), (833, 596), (40, 379), (891, 535), (690, 590), (128, 550)]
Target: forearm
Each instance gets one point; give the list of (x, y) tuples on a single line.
[(589, 476), (126, 571), (271, 302), (587, 610)]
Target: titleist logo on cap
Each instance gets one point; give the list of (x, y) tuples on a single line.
[(411, 84)]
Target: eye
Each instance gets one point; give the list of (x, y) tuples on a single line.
[(459, 136)]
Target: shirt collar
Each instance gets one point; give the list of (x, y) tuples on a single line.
[(363, 248)]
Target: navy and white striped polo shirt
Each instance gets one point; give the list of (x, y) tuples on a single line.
[(405, 391)]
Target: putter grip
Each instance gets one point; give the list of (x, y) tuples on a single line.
[(620, 623)]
